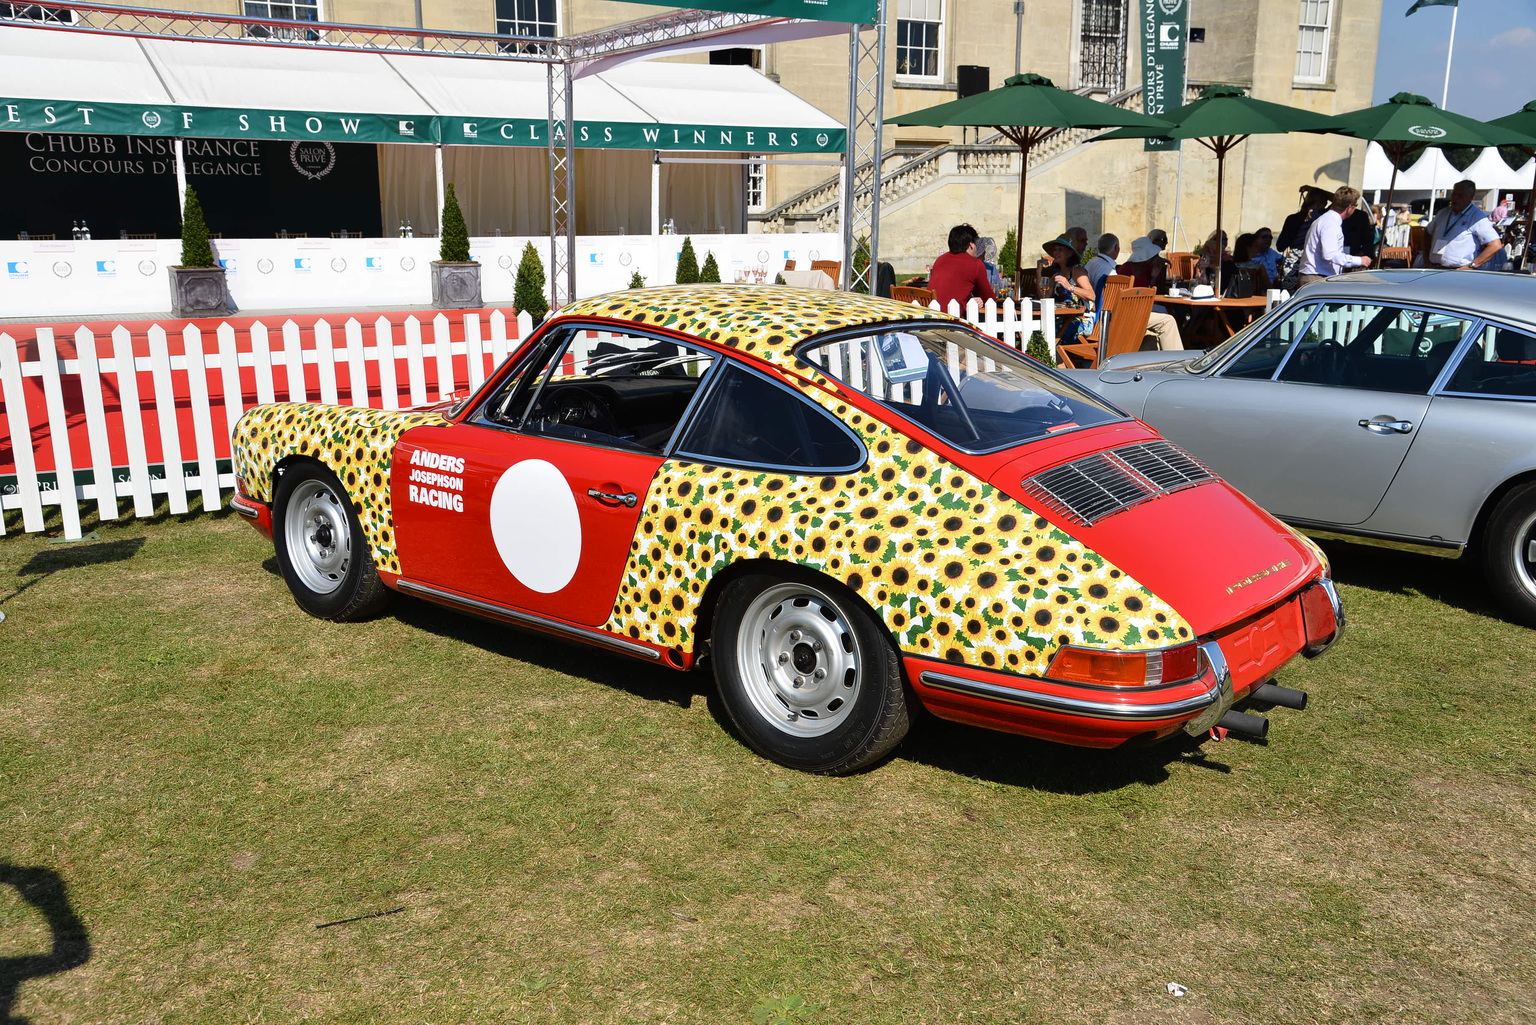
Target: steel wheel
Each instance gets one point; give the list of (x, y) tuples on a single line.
[(1509, 553), (319, 536), (320, 546), (807, 674), (802, 660)]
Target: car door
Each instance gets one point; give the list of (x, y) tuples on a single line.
[(533, 501), (1314, 419)]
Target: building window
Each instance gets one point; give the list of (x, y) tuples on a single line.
[(738, 56), (918, 24), (757, 179), (527, 18), (297, 10), (1312, 42), (37, 12), (1102, 62)]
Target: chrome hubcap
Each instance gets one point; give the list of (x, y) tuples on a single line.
[(318, 536), (800, 660), (1524, 554)]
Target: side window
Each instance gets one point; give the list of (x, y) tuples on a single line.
[(748, 419), (1501, 361), (1375, 348), (609, 388), (1259, 360)]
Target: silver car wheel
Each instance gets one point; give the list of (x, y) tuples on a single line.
[(319, 536), (1523, 553), (799, 660)]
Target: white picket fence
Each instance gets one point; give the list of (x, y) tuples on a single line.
[(342, 359)]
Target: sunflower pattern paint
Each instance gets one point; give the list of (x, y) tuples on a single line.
[(956, 569), (355, 444)]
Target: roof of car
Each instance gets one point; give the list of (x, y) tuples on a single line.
[(766, 320), (1505, 296)]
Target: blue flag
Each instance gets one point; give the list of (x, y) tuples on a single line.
[(1430, 3)]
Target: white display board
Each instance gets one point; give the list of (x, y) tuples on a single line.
[(71, 279)]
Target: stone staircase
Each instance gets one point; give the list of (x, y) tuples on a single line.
[(907, 174)]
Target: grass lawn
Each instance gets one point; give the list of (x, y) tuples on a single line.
[(194, 776)]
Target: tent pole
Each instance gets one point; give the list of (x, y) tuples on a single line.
[(1221, 165), (181, 175), (442, 193), (1024, 142), (1530, 213), (656, 192)]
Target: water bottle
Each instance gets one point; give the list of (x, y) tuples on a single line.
[(410, 232), (85, 231), (74, 230)]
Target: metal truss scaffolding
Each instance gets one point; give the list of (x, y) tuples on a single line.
[(565, 59), (861, 171)]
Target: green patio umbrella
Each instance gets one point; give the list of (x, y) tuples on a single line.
[(1223, 117), (1524, 121), (1407, 123), (1028, 109)]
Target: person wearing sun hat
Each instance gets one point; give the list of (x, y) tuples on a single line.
[(1069, 285), (1146, 267)]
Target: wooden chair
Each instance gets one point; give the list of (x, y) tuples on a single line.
[(910, 294), (834, 269), (1125, 331), (1399, 254), (1028, 284), (151, 234), (34, 236), (1114, 284), (1182, 265), (1418, 241), (290, 234), (789, 265), (346, 234)]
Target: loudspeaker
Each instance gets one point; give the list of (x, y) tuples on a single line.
[(971, 79)]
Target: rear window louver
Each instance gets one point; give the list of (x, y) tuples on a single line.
[(1095, 487)]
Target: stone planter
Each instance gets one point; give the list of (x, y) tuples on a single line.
[(198, 292), (456, 286)]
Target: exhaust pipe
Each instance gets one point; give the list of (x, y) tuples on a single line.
[(1282, 696), (1255, 726)]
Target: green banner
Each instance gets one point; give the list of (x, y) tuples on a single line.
[(225, 123), (864, 12), (1164, 41)]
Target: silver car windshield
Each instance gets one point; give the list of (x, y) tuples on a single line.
[(974, 394)]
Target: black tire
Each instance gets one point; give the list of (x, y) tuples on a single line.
[(320, 547), (773, 630), (1509, 553)]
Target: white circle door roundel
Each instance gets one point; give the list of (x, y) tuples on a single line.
[(536, 526)]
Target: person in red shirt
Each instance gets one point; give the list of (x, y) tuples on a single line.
[(960, 274)]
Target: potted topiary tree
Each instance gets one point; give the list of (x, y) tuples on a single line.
[(528, 291), (198, 285), (455, 277), (710, 273), (687, 264), (1038, 350), (636, 281)]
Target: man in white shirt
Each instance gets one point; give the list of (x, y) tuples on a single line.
[(1103, 263), (1461, 237), (1324, 254)]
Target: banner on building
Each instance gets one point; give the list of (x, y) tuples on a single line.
[(1164, 42)]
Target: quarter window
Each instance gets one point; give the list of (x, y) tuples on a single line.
[(749, 419), (1312, 41), (918, 29), (1502, 361), (612, 389), (1259, 361)]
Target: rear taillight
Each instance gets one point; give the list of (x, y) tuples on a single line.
[(1320, 616), (1125, 668)]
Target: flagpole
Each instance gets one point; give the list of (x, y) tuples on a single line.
[(1445, 95)]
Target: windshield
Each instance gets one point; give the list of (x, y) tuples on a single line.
[(1217, 353), (969, 391)]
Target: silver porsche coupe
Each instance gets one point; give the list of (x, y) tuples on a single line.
[(1393, 408)]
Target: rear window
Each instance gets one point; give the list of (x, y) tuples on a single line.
[(974, 394)]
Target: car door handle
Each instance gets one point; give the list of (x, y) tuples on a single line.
[(610, 498), (1388, 426)]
